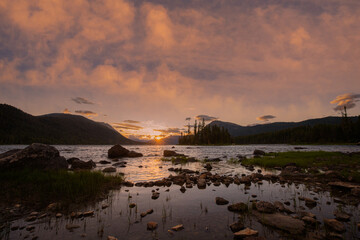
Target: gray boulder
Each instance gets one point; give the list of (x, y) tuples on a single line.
[(35, 156)]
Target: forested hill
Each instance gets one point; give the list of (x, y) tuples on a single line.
[(238, 130), (18, 127)]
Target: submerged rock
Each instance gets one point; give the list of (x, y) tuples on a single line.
[(281, 221), (221, 201), (152, 225), (238, 207), (265, 207), (341, 216), (334, 224), (35, 156), (236, 226)]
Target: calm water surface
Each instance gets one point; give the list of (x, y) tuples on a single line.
[(195, 209)]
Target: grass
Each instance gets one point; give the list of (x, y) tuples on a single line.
[(304, 159), (346, 165), (38, 188), (177, 159)]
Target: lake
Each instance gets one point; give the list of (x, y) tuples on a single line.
[(195, 208)]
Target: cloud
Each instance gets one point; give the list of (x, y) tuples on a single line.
[(66, 111), (265, 118), (127, 126), (169, 131), (206, 118), (87, 113), (160, 58), (131, 121), (81, 100), (345, 100)]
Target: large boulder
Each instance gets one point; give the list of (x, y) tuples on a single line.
[(35, 156), (118, 151)]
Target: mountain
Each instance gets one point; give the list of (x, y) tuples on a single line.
[(18, 127), (238, 130)]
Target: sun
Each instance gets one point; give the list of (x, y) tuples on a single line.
[(158, 138)]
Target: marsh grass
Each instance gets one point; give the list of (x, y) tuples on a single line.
[(37, 188), (304, 159)]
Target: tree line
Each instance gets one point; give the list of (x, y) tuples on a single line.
[(346, 132), (205, 135)]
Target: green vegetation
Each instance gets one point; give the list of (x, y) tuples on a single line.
[(347, 165), (346, 132), (179, 159), (206, 135), (39, 188)]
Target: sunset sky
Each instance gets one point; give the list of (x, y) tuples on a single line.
[(146, 66)]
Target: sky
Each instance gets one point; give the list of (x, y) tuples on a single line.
[(147, 66)]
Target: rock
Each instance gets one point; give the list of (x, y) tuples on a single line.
[(109, 170), (334, 224), (155, 195), (221, 201), (355, 192), (310, 203), (104, 162), (259, 152), (53, 206), (345, 185), (132, 205), (238, 207), (35, 156), (169, 153), (201, 184), (88, 213), (152, 226), (133, 154), (309, 220), (58, 215), (247, 232), (71, 227), (30, 228), (178, 227), (281, 221), (265, 207), (212, 160), (104, 205), (111, 238), (182, 189), (279, 206), (341, 216), (70, 160), (150, 211), (79, 164), (117, 151), (236, 226), (208, 166)]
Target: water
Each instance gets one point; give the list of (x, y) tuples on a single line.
[(195, 209)]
